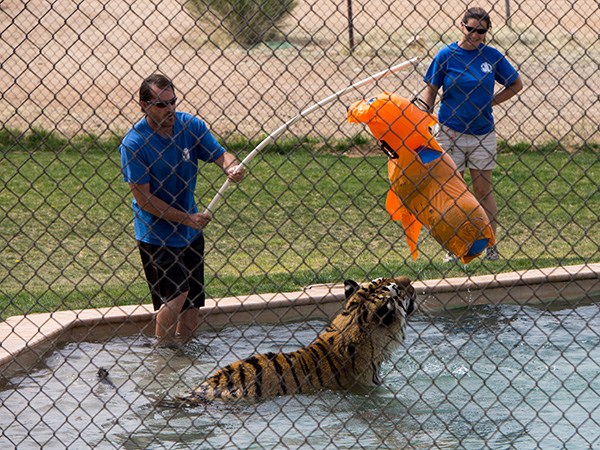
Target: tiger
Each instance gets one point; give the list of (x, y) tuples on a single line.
[(348, 354)]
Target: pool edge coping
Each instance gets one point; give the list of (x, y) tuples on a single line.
[(24, 339)]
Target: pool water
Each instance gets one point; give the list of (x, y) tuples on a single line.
[(484, 377)]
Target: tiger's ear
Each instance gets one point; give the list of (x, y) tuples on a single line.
[(350, 287)]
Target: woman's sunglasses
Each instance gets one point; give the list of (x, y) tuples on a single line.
[(475, 30), (164, 104)]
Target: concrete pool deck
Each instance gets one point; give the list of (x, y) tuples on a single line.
[(25, 339)]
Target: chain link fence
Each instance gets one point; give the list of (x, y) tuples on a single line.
[(513, 368)]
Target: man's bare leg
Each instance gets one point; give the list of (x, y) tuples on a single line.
[(167, 317), (188, 323)]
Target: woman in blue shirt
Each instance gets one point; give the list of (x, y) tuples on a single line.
[(467, 72)]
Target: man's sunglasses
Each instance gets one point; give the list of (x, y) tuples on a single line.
[(164, 104), (475, 30)]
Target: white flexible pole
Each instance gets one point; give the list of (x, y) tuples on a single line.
[(289, 123)]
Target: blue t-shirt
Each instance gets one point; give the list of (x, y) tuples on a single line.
[(170, 166), (467, 79)]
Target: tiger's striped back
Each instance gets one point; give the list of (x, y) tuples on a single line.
[(347, 354)]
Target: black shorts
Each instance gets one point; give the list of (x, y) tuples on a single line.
[(170, 271)]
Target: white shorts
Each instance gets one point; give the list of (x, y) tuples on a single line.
[(466, 150)]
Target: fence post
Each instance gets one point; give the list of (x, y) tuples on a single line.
[(351, 26)]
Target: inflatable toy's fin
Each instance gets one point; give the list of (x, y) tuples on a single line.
[(412, 227)]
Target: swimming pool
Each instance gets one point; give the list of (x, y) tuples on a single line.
[(488, 376)]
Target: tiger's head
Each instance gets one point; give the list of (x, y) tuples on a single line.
[(381, 302), (372, 324)]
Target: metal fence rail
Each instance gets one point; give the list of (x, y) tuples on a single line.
[(311, 211)]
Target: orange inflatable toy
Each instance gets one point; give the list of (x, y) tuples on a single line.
[(426, 187)]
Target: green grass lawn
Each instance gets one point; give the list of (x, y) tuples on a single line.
[(306, 213)]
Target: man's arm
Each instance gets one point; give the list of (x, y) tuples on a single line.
[(160, 208), (229, 164)]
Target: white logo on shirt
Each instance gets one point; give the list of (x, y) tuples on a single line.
[(486, 67), (186, 154)]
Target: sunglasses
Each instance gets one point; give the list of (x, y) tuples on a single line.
[(475, 30), (164, 104)]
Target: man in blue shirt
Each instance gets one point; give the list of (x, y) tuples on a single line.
[(159, 158), (467, 72)]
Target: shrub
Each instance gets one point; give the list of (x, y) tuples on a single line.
[(248, 21)]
